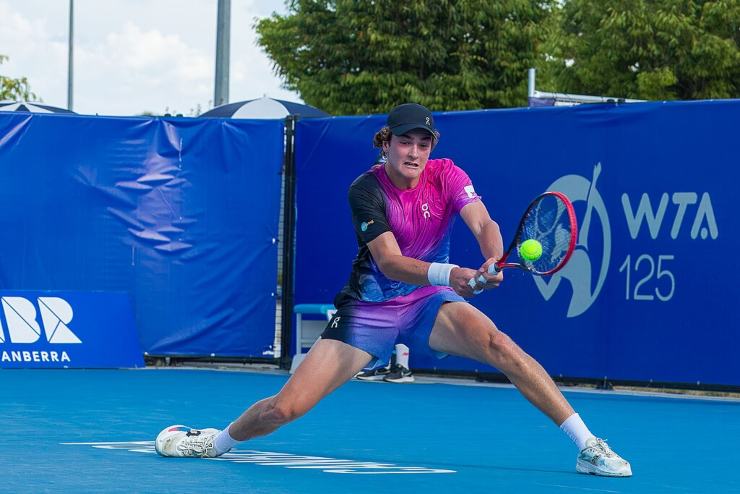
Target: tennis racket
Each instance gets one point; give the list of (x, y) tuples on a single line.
[(551, 220)]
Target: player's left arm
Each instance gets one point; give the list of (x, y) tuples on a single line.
[(488, 235)]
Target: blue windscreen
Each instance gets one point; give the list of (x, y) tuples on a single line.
[(649, 292), (182, 214)]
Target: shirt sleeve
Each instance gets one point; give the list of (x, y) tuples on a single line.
[(367, 201), (459, 187)]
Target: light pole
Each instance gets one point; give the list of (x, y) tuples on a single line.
[(70, 56), (223, 40)]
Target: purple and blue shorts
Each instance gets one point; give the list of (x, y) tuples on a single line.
[(376, 327)]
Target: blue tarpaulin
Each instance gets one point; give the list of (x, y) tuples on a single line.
[(650, 291), (182, 214)]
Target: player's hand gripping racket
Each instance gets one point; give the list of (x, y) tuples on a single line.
[(544, 240)]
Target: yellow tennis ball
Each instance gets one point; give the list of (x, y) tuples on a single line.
[(530, 250)]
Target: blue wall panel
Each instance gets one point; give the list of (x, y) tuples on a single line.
[(182, 214), (650, 293)]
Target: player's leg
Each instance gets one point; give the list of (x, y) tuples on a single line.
[(328, 365), (461, 329)]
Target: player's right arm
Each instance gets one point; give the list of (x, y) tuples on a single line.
[(394, 265), (488, 235)]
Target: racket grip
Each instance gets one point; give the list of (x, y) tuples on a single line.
[(472, 283), (494, 269)]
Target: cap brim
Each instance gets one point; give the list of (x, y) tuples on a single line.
[(400, 130)]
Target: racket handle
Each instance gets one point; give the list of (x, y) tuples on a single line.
[(472, 283), (492, 269)]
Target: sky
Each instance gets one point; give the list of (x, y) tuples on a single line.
[(136, 56)]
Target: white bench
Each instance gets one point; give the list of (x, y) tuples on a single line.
[(307, 331)]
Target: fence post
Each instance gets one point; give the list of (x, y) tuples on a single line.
[(289, 212)]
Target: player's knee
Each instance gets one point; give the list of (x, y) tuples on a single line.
[(279, 412), (498, 342), (282, 412), (506, 352)]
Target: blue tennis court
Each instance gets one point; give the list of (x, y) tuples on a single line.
[(92, 431)]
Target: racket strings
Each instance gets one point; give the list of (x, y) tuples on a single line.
[(549, 224)]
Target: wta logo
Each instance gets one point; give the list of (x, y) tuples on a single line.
[(586, 271), (23, 326)]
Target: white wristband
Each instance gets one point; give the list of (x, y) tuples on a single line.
[(439, 273)]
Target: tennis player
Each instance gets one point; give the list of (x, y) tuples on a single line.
[(403, 288)]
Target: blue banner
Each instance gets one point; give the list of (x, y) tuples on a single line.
[(181, 214), (67, 330), (649, 293)]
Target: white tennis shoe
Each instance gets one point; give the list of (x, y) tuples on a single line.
[(184, 441), (597, 458)]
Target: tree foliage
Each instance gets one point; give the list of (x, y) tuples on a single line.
[(349, 57), (646, 49), (14, 89)]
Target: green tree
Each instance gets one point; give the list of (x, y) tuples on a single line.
[(14, 89), (645, 49), (349, 57)]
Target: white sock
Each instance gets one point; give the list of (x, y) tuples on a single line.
[(576, 430), (224, 442), (402, 355)]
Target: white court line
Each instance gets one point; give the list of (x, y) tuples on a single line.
[(285, 460)]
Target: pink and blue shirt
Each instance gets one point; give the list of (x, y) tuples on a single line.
[(421, 220)]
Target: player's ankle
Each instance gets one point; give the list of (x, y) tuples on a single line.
[(224, 442)]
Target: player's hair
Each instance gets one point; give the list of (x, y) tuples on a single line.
[(382, 136)]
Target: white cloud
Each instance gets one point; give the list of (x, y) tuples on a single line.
[(26, 41), (135, 55), (157, 71)]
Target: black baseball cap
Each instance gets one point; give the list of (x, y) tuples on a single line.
[(410, 116)]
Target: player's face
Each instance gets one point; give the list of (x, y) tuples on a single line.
[(407, 156)]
